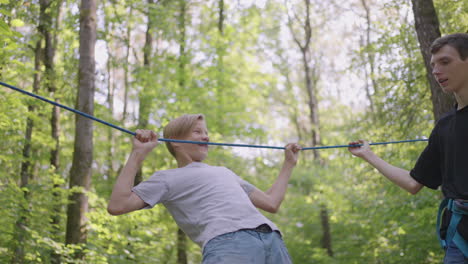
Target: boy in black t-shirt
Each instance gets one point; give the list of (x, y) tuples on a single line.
[(444, 161)]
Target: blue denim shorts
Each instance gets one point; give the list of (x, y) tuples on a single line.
[(453, 255), (246, 247)]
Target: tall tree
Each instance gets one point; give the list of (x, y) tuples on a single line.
[(26, 171), (80, 173), (46, 55), (220, 51), (108, 33), (311, 73), (311, 78), (126, 65), (369, 56), (143, 98), (427, 29), (181, 237), (49, 9)]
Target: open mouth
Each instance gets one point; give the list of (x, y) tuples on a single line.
[(203, 145), (443, 82)]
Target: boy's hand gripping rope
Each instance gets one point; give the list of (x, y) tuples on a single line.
[(189, 141)]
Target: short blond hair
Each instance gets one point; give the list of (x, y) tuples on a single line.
[(179, 128)]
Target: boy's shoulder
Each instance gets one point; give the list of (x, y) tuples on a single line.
[(447, 116)]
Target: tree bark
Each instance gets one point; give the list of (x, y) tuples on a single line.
[(145, 101), (369, 58), (80, 174), (326, 238), (311, 76), (108, 31), (181, 237), (427, 29), (46, 28), (126, 67), (26, 174)]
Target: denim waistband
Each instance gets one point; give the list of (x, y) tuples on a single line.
[(263, 228)]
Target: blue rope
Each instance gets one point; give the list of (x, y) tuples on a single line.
[(189, 141)]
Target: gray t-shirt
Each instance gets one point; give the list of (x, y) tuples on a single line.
[(205, 201)]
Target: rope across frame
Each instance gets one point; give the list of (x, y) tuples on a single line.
[(188, 141)]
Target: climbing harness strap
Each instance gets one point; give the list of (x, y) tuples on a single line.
[(458, 208)]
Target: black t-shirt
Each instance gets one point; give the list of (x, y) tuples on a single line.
[(444, 161)]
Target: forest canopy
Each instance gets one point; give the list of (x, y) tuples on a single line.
[(262, 72)]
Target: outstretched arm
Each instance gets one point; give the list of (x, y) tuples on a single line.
[(270, 200), (398, 176), (122, 199)]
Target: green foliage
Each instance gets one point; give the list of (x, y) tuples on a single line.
[(248, 82)]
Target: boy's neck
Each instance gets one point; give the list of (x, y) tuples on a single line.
[(462, 98), (183, 162)]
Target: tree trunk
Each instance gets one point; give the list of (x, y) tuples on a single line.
[(26, 175), (143, 98), (326, 238), (181, 247), (311, 75), (46, 28), (220, 83), (311, 78), (127, 63), (80, 173), (181, 237), (108, 31), (369, 59), (427, 29)]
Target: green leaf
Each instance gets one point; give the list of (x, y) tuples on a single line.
[(4, 28), (17, 22)]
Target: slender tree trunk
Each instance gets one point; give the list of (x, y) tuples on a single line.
[(145, 101), (126, 66), (181, 247), (326, 238), (220, 51), (80, 174), (108, 31), (26, 174), (311, 75), (181, 237), (369, 58), (46, 28), (427, 29), (311, 78), (182, 55)]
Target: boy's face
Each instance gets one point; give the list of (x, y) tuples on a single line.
[(196, 152), (450, 70)]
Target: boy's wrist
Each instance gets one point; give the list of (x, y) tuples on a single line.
[(368, 156), (137, 156), (289, 164)]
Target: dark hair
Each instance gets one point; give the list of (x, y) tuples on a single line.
[(459, 41)]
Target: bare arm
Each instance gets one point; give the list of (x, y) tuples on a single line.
[(122, 199), (398, 176), (271, 200)]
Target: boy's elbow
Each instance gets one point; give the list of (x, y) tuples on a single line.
[(413, 191), (415, 188), (273, 208), (114, 210)]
